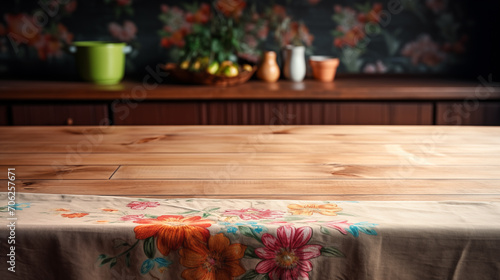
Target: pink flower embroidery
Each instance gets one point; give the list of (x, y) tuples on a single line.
[(141, 205), (132, 217), (254, 214), (288, 256), (338, 225), (284, 223)]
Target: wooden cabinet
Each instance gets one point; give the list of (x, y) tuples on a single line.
[(362, 113), (157, 113), (59, 114), (347, 101), (273, 113), (470, 112), (4, 115)]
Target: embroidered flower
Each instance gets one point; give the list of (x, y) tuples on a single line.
[(287, 256), (142, 205), (132, 217), (338, 225), (61, 210), (329, 209), (74, 215), (172, 231), (254, 214), (219, 259), (111, 210)]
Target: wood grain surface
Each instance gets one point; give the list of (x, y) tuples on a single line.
[(257, 162)]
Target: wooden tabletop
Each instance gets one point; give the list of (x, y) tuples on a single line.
[(275, 162), (343, 88)]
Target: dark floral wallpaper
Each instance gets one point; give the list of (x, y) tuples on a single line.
[(372, 37)]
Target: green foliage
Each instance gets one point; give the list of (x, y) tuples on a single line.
[(149, 247), (250, 253), (249, 232), (219, 40), (251, 275), (331, 252)]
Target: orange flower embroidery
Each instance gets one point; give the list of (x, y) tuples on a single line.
[(109, 210), (219, 259), (102, 222), (74, 215), (61, 210), (172, 231), (309, 209)]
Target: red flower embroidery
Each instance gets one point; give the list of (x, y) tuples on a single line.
[(141, 205), (288, 256)]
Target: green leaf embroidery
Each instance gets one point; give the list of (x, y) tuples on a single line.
[(250, 275), (344, 214), (206, 215), (293, 218), (331, 252), (250, 253), (127, 259), (324, 230), (105, 261), (249, 232), (119, 242), (112, 263), (101, 257), (149, 247), (190, 212)]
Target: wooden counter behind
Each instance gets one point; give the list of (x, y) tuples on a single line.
[(349, 88), (348, 100)]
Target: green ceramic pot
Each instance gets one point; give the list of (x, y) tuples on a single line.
[(98, 62)]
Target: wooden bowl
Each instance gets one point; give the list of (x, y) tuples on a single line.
[(204, 78)]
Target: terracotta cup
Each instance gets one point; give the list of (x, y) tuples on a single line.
[(324, 67)]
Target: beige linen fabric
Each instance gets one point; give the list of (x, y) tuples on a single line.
[(69, 237)]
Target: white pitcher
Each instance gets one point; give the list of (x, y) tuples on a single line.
[(294, 67)]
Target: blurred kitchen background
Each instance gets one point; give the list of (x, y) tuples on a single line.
[(416, 37)]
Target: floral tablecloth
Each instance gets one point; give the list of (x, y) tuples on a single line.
[(99, 237)]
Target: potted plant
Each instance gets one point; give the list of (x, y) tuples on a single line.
[(210, 53)]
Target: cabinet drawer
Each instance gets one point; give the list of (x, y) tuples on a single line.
[(468, 113), (4, 118), (59, 114), (157, 113)]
